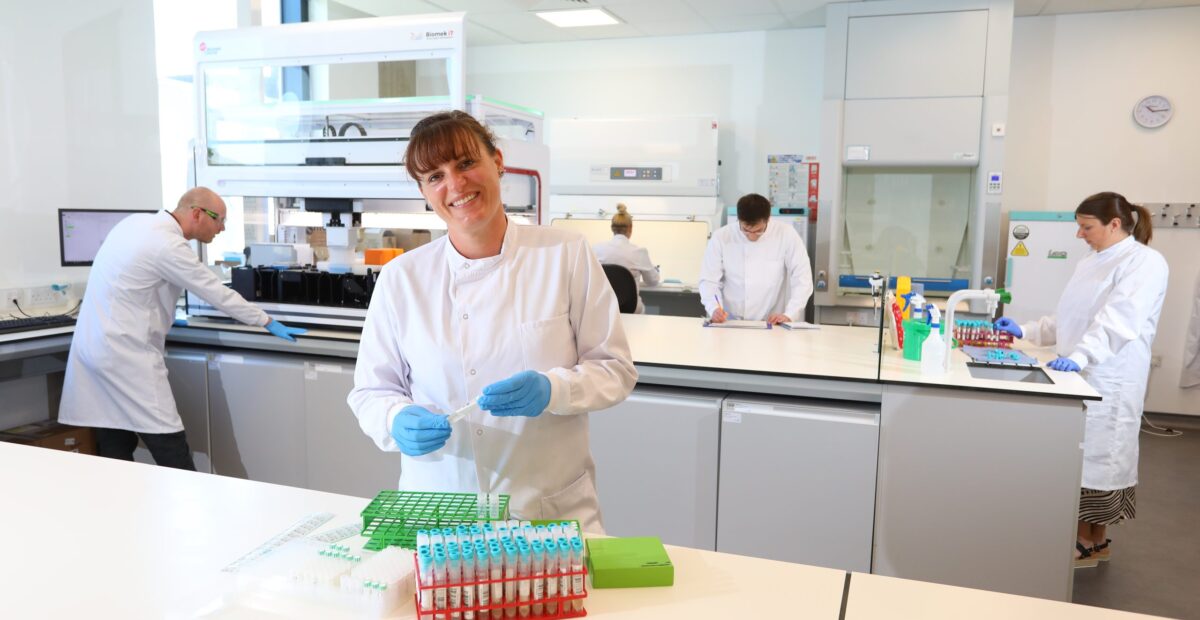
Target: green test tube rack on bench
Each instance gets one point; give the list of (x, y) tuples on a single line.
[(393, 517)]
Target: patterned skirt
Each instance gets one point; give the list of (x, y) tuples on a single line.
[(1107, 507)]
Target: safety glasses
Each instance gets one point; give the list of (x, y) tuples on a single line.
[(213, 214)]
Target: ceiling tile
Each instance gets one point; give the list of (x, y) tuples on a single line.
[(1059, 7), (522, 27), (800, 6), (743, 23), (642, 11), (484, 5), (615, 31), (675, 28), (479, 35), (726, 8), (814, 18)]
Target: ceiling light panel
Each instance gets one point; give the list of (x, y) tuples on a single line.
[(577, 18)]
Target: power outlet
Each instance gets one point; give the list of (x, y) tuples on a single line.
[(44, 296), (8, 295)]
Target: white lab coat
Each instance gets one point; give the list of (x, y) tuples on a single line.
[(1105, 321), (620, 251), (441, 327), (116, 375), (754, 279), (1189, 376)]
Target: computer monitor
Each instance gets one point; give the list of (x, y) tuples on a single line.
[(81, 231)]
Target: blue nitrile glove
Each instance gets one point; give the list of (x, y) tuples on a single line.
[(1006, 324), (526, 393), (179, 323), (418, 430), (1065, 364), (283, 331)]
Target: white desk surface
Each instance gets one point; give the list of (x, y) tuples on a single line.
[(93, 537), (895, 369), (833, 351), (36, 333), (876, 597)]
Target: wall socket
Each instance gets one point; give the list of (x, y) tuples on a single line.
[(44, 296), (8, 295)]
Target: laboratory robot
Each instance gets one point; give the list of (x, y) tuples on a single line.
[(303, 128)]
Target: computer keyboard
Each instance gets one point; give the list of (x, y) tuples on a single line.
[(8, 326)]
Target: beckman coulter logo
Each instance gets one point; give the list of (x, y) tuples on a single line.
[(208, 51)]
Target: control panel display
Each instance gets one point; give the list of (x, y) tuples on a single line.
[(635, 174)]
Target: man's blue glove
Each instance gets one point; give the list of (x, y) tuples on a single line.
[(283, 331), (179, 323), (526, 393), (418, 430), (1006, 324), (1064, 364)]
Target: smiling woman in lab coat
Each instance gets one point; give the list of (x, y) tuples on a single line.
[(520, 316), (1103, 327)]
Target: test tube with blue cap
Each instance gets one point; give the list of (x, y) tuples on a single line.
[(538, 567), (439, 580), (481, 573), (551, 568), (564, 570), (496, 559), (468, 576), (577, 573), (510, 579), (425, 567), (453, 579), (524, 561)]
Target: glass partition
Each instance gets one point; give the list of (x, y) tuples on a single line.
[(912, 221), (308, 115)]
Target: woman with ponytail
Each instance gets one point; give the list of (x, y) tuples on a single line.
[(620, 251), (1105, 322)]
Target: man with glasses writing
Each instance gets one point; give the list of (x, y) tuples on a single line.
[(116, 379), (755, 269)]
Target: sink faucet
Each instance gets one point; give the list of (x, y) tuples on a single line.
[(991, 297)]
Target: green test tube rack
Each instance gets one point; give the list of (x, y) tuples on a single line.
[(393, 517)]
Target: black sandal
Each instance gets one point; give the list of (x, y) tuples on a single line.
[(1100, 551), (1085, 559)]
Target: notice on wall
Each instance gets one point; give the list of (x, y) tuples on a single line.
[(793, 181)]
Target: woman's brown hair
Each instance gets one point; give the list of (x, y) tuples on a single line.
[(443, 137), (1109, 206)]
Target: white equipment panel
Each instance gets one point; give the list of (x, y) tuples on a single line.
[(1041, 256)]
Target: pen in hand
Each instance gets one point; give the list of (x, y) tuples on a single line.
[(720, 315)]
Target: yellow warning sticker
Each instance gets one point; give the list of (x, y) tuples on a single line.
[(1020, 250)]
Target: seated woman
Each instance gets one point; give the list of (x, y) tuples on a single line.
[(620, 251)]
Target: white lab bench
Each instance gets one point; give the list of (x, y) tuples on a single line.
[(865, 468), (111, 539)]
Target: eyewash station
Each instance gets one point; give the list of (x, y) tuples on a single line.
[(816, 465)]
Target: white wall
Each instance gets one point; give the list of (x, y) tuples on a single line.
[(78, 108), (1075, 80), (763, 87)]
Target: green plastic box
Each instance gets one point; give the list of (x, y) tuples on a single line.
[(629, 563)]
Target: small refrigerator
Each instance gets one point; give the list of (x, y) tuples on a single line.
[(797, 480)]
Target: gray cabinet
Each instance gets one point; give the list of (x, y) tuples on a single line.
[(656, 465), (187, 372), (797, 480), (256, 417), (341, 458)]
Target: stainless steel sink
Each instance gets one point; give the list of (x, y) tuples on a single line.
[(1020, 374)]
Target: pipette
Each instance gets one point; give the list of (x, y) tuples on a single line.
[(461, 412)]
